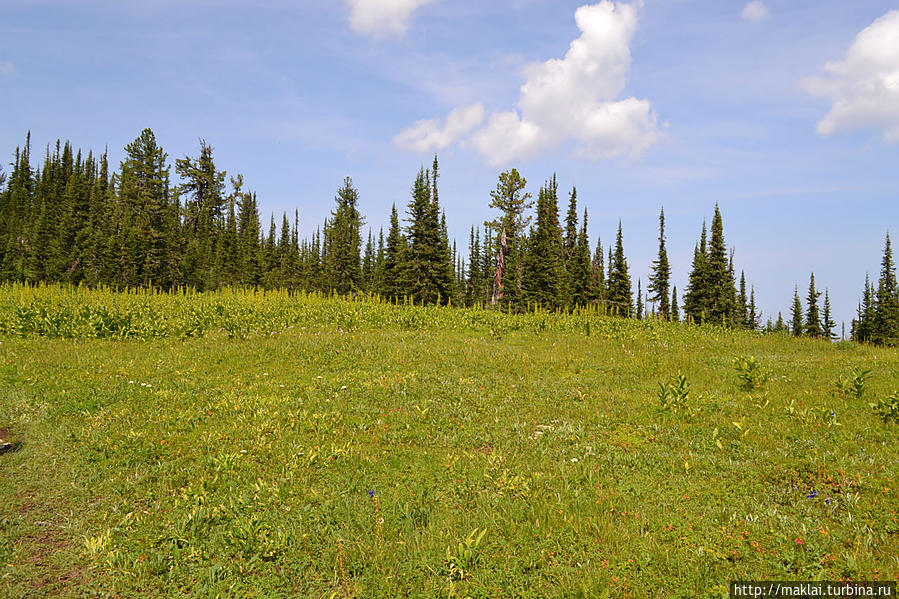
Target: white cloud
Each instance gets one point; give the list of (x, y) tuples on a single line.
[(573, 99), (382, 18), (6, 67), (864, 86), (427, 135), (755, 12)]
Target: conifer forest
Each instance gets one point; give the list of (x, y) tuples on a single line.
[(71, 218)]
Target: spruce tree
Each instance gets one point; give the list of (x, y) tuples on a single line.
[(145, 196), (571, 228), (598, 274), (884, 326), (754, 316), (395, 284), (544, 278), (581, 275), (696, 300), (638, 313), (660, 276), (675, 314), (827, 323), (742, 303), (722, 291), (512, 201), (343, 240), (204, 186), (812, 315), (620, 296), (796, 326), (473, 293)]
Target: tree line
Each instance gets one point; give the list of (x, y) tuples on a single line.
[(71, 219)]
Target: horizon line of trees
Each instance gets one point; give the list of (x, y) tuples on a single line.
[(73, 220)]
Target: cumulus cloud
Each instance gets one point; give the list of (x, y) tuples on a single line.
[(429, 135), (6, 67), (574, 98), (382, 18), (755, 12), (864, 86)]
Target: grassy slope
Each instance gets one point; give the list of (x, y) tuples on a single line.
[(167, 467)]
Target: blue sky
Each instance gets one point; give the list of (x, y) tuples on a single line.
[(786, 113)]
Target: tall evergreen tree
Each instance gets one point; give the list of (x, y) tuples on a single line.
[(544, 280), (512, 201), (696, 300), (812, 315), (675, 314), (885, 322), (343, 239), (659, 279), (598, 274), (796, 326), (827, 323), (145, 196), (581, 274), (395, 284), (204, 186), (620, 296)]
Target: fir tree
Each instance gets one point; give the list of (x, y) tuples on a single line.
[(884, 326), (754, 316), (796, 326), (812, 315), (544, 280), (743, 302), (581, 275), (144, 194), (620, 296), (512, 201), (696, 300), (827, 323), (571, 228), (395, 285), (638, 313), (722, 291), (343, 240), (598, 275), (675, 314), (659, 279)]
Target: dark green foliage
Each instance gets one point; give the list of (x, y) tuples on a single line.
[(675, 314), (812, 314), (660, 277), (619, 295), (512, 201), (545, 278), (796, 326), (827, 323), (580, 269), (429, 259), (597, 273), (712, 293), (885, 322), (343, 239)]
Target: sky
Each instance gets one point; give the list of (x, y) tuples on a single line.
[(784, 112)]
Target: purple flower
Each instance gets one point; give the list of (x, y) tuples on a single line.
[(371, 493), (812, 495), (828, 501)]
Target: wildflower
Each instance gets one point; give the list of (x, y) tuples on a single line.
[(371, 493), (828, 501), (812, 495), (831, 413), (799, 541)]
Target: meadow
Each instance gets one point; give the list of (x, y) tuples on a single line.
[(250, 444)]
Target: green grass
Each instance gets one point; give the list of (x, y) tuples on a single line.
[(509, 455)]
